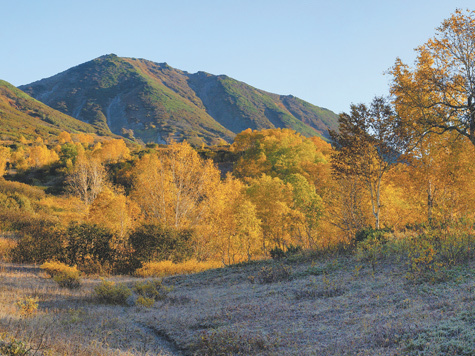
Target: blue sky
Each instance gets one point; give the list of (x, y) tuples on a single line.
[(331, 53)]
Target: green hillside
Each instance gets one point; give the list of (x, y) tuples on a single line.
[(153, 102), (22, 115)]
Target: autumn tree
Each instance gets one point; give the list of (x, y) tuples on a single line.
[(4, 158), (173, 186), (438, 94), (275, 152), (111, 151), (440, 174), (87, 179), (115, 211), (310, 205), (274, 203), (39, 156), (64, 137), (232, 228), (367, 147)]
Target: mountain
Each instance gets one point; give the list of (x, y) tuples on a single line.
[(21, 115), (153, 102)]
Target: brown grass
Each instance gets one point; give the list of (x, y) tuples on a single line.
[(337, 306)]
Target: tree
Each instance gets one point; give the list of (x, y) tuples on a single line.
[(368, 146), (87, 179), (114, 211), (4, 158), (112, 151), (173, 187), (275, 152), (40, 156), (274, 202), (309, 203), (438, 95), (64, 137)]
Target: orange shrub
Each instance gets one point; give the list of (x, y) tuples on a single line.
[(168, 268)]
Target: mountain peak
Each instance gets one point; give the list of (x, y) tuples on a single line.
[(154, 102)]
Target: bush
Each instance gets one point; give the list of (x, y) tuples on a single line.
[(64, 275), (152, 290), (272, 274), (424, 264), (28, 306), (278, 253), (110, 293), (88, 246), (42, 240), (168, 268), (6, 247), (370, 233), (12, 347), (154, 242), (145, 302)]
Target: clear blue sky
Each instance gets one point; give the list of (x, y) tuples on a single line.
[(331, 53)]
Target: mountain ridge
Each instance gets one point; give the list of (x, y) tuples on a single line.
[(22, 115), (149, 101)]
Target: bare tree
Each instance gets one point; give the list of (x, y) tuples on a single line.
[(87, 179)]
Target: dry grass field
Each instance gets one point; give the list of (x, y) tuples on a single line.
[(330, 306)]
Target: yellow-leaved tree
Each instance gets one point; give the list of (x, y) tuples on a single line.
[(4, 158), (231, 230), (111, 151), (173, 187), (39, 156), (274, 203), (440, 89), (115, 211), (87, 179)]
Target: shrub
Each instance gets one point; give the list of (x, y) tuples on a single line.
[(27, 306), (12, 346), (457, 246), (168, 268), (151, 290), (370, 233), (273, 273), (42, 240), (278, 253), (155, 242), (6, 247), (88, 246), (64, 275), (110, 293), (423, 260), (145, 302), (68, 280)]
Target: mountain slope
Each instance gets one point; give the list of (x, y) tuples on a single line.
[(21, 115), (155, 102)]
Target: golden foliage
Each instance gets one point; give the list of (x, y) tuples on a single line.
[(168, 268), (174, 187), (115, 211)]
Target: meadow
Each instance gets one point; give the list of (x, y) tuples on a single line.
[(303, 304)]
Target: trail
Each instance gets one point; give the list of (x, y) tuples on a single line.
[(167, 346)]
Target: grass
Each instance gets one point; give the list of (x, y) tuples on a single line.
[(168, 268), (324, 306)]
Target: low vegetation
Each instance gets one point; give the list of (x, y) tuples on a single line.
[(302, 248), (400, 301)]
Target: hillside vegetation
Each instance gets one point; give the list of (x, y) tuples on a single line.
[(24, 116), (154, 102)]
